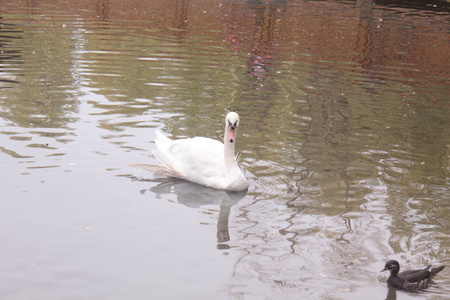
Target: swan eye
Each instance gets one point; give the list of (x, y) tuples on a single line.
[(233, 126)]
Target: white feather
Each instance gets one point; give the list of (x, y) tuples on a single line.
[(201, 160)]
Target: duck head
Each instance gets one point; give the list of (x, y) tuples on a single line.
[(393, 266)]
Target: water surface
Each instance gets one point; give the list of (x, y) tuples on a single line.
[(344, 138)]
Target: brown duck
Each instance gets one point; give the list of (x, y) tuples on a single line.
[(411, 279)]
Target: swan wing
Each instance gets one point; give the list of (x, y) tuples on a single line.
[(198, 159)]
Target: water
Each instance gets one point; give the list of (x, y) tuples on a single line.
[(344, 137)]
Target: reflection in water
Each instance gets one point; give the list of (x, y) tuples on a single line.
[(431, 5), (392, 294), (262, 49), (9, 56), (195, 196), (345, 128)]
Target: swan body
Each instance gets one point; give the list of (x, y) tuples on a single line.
[(202, 160)]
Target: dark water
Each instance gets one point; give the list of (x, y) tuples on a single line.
[(345, 139)]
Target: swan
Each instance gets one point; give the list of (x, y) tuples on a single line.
[(201, 160)]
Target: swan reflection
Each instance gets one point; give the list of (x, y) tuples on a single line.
[(195, 196)]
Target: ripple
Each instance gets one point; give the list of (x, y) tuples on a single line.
[(344, 139)]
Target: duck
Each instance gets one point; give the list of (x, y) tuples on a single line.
[(410, 279), (201, 160)]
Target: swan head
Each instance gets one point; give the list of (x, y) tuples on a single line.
[(231, 126)]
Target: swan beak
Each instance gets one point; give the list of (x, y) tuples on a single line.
[(232, 133)]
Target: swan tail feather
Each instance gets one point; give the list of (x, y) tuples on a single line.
[(162, 151), (162, 157), (162, 141), (162, 154), (161, 169)]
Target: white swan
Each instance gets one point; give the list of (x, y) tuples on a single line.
[(201, 160)]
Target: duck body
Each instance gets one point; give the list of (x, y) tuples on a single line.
[(410, 279), (201, 160)]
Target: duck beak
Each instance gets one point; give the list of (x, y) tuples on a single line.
[(231, 133), (385, 269)]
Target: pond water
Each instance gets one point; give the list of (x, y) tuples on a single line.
[(344, 137)]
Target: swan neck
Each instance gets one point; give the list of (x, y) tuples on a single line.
[(230, 159), (229, 153)]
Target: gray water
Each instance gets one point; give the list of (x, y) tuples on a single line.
[(344, 137)]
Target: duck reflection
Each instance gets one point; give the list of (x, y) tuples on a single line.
[(392, 294), (195, 196)]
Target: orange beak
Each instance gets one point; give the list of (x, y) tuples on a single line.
[(231, 133)]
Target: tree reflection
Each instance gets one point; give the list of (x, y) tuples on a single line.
[(343, 108)]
